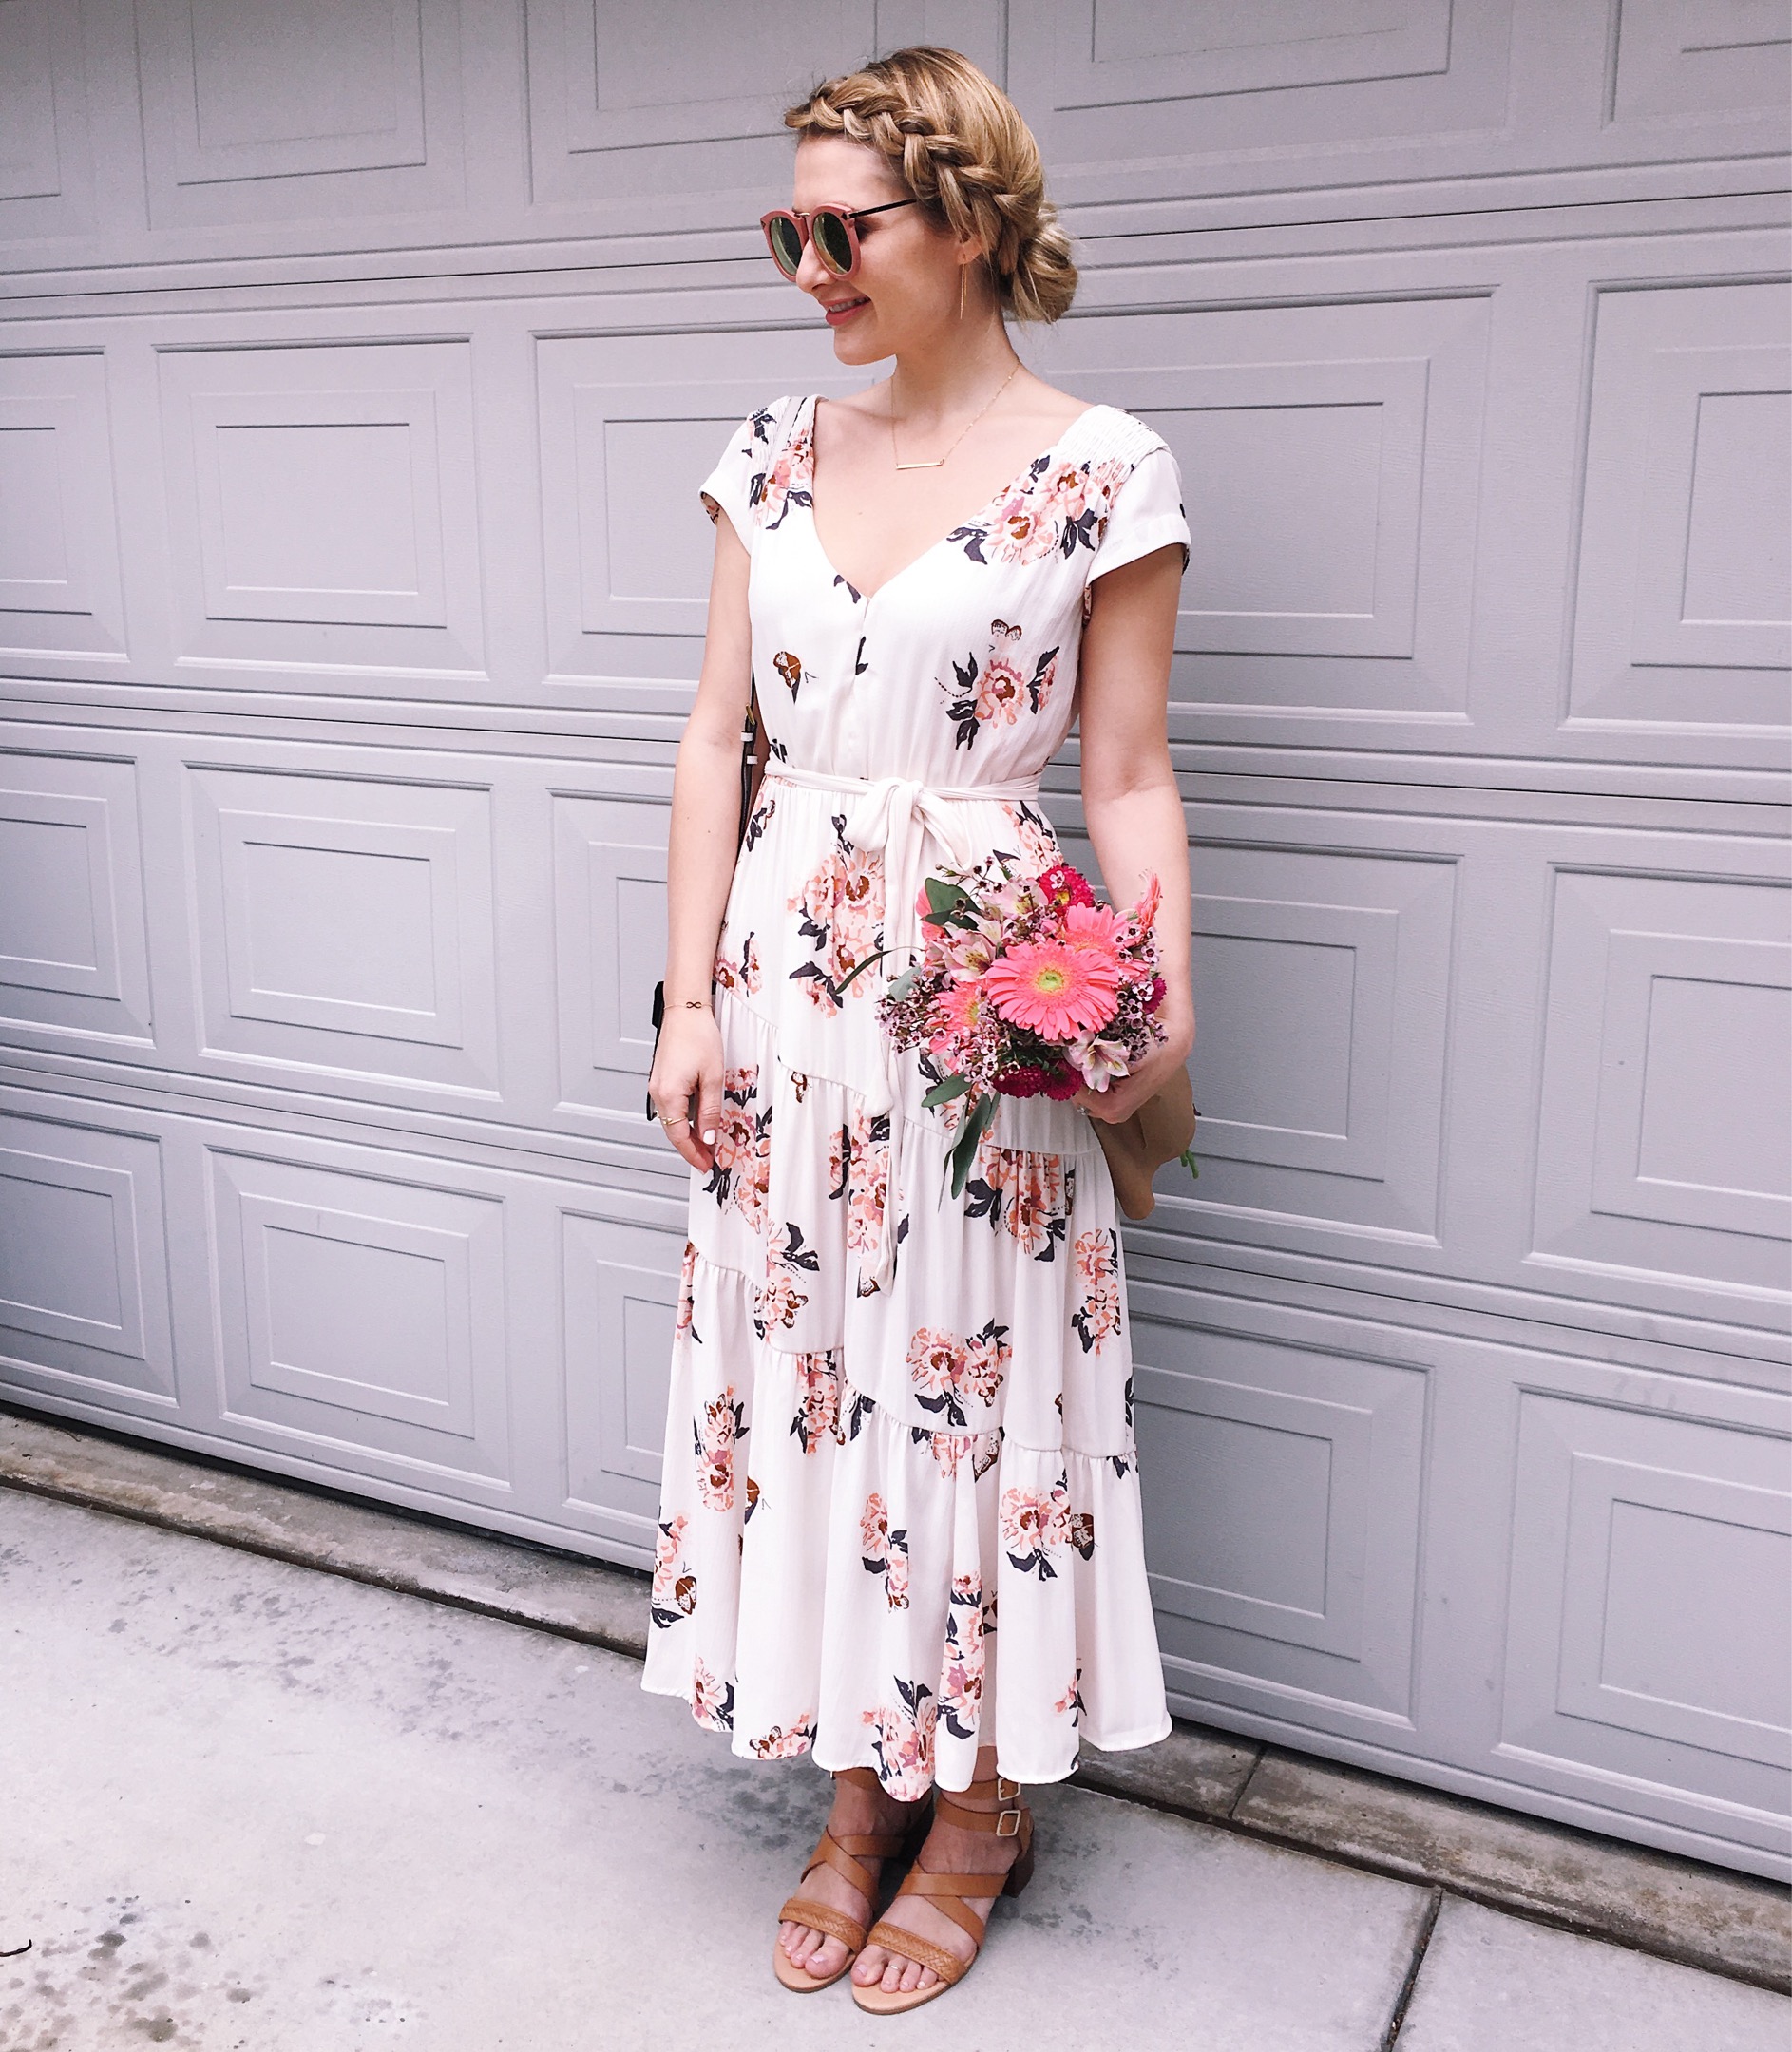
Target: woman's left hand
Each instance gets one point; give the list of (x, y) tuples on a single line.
[(1124, 1095)]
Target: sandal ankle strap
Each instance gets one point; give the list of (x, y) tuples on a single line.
[(1004, 1822)]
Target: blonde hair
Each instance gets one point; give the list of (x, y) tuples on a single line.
[(959, 144)]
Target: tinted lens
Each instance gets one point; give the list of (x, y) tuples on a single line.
[(787, 244), (833, 241)]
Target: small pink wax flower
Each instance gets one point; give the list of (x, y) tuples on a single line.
[(959, 1006), (1052, 989)]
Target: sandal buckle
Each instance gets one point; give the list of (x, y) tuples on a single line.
[(1008, 1824), (1006, 1791)]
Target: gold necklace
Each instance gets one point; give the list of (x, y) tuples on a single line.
[(935, 462)]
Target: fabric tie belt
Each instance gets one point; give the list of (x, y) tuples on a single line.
[(896, 817)]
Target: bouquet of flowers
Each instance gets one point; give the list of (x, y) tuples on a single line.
[(1025, 984)]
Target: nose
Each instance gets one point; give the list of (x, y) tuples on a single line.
[(811, 274)]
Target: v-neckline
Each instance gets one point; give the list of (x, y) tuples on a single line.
[(914, 563)]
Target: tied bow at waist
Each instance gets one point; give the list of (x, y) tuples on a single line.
[(897, 817)]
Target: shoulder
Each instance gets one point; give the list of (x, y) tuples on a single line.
[(1118, 436)]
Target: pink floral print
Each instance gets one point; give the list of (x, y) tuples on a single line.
[(780, 1745), (868, 1180), (840, 908), (1034, 838), (740, 1173), (687, 1294), (711, 1699), (1057, 506), (1097, 1315), (949, 1372), (777, 1300), (1035, 1529), (902, 1738), (787, 481), (718, 1432), (742, 973), (1025, 1192), (884, 1553), (952, 1451), (994, 692), (817, 1399), (674, 1587), (961, 1694)]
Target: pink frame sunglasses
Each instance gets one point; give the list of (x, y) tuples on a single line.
[(831, 229)]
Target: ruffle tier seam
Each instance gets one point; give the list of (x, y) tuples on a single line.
[(1127, 1453)]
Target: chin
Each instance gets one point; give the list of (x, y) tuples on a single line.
[(856, 345)]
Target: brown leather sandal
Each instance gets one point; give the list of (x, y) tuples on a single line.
[(846, 1857), (952, 1894)]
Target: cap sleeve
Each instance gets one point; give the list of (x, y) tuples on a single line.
[(730, 488), (1145, 513)]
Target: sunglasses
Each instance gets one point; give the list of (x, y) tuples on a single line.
[(830, 228)]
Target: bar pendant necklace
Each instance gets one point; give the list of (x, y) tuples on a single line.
[(934, 462)]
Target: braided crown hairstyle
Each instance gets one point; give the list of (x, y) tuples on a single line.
[(959, 144)]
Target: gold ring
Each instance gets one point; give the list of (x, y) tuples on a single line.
[(677, 1119)]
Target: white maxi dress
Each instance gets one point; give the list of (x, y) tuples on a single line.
[(899, 1513)]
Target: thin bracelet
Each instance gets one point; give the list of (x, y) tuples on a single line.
[(691, 1004)]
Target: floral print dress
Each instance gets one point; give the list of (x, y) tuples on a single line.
[(899, 1512)]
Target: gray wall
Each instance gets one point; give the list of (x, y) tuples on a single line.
[(357, 362)]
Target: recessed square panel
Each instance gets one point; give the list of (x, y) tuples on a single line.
[(322, 508), (30, 168), (1330, 461), (273, 478), (1281, 1496), (638, 479), (61, 592), (324, 516), (347, 927), (1665, 1120), (1198, 95), (1647, 1629), (1674, 58), (1739, 525), (73, 947), (265, 111), (621, 1295), (619, 107), (33, 535), (609, 944), (82, 1281), (300, 85), (1682, 604), (365, 1310)]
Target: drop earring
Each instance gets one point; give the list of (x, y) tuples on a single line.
[(963, 279)]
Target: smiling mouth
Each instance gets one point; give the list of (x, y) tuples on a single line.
[(844, 307)]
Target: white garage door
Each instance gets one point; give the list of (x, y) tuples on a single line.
[(358, 363)]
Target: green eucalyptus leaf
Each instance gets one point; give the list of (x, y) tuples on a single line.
[(945, 1090), (976, 1123)]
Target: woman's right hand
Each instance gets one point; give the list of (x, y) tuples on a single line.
[(686, 1082)]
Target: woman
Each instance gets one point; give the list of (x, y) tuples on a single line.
[(899, 1519)]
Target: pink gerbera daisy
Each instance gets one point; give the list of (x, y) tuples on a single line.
[(1053, 990)]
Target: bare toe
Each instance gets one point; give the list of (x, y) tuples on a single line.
[(828, 1958)]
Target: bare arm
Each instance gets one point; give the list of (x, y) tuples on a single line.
[(687, 1073), (1129, 790)]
